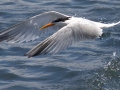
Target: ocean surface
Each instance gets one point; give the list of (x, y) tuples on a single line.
[(87, 65)]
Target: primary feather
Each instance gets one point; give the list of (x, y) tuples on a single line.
[(29, 29)]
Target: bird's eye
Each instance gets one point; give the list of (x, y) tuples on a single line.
[(60, 19), (57, 20)]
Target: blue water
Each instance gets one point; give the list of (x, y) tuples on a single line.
[(89, 65)]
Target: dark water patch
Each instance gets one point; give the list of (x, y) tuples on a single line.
[(111, 42), (6, 75), (31, 1), (8, 3), (19, 87), (49, 3), (18, 50)]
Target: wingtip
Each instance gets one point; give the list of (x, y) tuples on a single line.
[(27, 55)]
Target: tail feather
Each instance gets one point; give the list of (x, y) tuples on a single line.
[(102, 25)]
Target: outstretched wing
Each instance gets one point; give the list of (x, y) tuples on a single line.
[(29, 29), (67, 35)]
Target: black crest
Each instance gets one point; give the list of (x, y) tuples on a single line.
[(61, 19)]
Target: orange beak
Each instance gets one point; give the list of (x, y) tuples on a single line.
[(47, 25)]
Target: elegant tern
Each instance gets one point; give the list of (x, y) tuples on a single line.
[(68, 29)]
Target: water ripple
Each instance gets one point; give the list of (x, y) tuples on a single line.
[(90, 65)]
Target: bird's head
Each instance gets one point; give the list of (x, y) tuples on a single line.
[(56, 21)]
